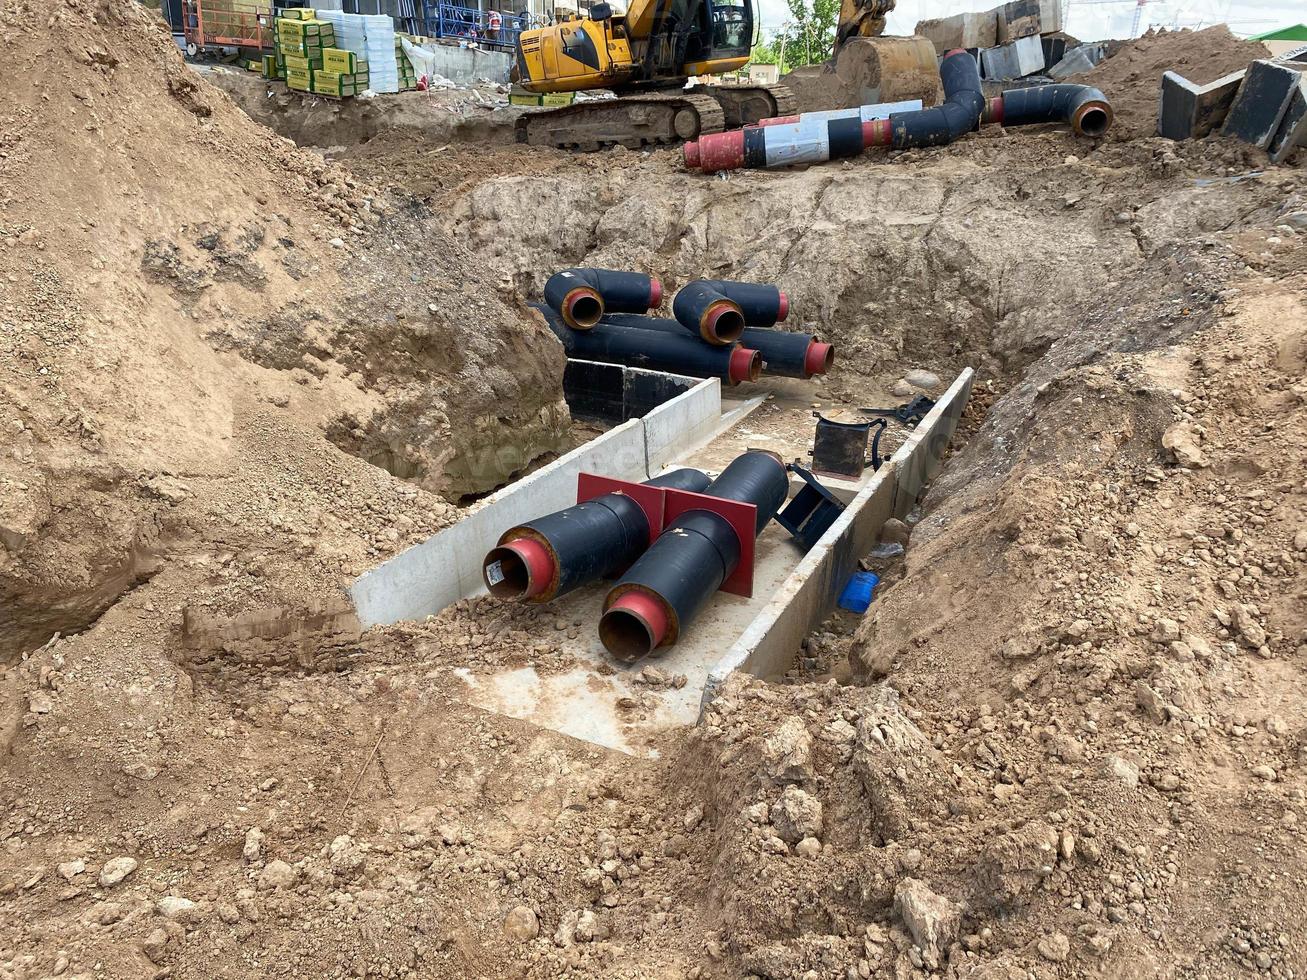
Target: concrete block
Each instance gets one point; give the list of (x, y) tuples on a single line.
[(1260, 103), (1015, 60), (1054, 50), (1293, 127), (1022, 18), (1298, 55), (1078, 61), (1188, 111), (972, 30)]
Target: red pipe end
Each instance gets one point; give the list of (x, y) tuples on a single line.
[(655, 292), (722, 323), (691, 151), (784, 306), (818, 358), (722, 151), (746, 365), (633, 626), (582, 308), (519, 569)]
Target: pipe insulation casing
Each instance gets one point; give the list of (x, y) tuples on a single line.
[(789, 355), (659, 596), (807, 141), (718, 310), (964, 100), (552, 555), (1085, 108), (675, 353), (582, 296), (819, 140)]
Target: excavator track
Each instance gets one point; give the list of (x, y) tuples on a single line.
[(632, 121), (745, 105)]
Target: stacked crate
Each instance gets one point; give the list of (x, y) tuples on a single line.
[(302, 44), (342, 75), (408, 78)]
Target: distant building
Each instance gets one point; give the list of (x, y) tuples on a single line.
[(764, 74)]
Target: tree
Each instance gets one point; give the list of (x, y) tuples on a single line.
[(766, 53), (808, 37)]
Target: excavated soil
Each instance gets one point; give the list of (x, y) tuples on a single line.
[(1066, 740)]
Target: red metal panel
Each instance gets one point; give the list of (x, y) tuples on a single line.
[(742, 517)]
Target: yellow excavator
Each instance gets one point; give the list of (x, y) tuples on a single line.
[(645, 57)]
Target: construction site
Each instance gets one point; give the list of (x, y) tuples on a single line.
[(520, 494)]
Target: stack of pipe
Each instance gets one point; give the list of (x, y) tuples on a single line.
[(820, 136), (722, 329), (663, 584), (653, 603)]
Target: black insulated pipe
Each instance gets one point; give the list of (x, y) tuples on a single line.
[(674, 353), (552, 555), (1086, 109), (790, 355), (761, 305), (706, 311), (581, 296), (659, 596), (963, 103)]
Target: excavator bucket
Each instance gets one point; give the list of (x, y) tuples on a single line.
[(866, 70)]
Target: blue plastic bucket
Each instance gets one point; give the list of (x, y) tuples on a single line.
[(856, 596)]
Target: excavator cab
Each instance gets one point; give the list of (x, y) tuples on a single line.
[(721, 33)]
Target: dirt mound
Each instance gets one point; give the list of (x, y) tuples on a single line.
[(1132, 77), (169, 265)]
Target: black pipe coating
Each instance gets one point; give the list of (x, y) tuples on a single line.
[(1085, 108), (704, 310), (581, 296), (963, 102), (550, 556), (674, 353), (669, 584), (790, 355), (761, 305)]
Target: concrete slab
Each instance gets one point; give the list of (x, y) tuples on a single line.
[(1293, 126), (1189, 111), (426, 578), (969, 30), (1077, 61), (1014, 60), (1260, 103), (810, 593)]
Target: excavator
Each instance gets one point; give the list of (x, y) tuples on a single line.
[(645, 57)]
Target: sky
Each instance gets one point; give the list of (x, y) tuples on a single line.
[(1093, 20)]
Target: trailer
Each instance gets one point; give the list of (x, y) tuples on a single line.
[(210, 28)]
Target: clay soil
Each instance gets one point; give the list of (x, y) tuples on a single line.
[(1067, 739)]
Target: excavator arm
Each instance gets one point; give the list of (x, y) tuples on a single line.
[(862, 18)]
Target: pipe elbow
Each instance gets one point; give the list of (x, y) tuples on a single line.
[(1084, 108), (582, 296)]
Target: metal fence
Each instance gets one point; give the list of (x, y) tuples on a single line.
[(448, 20)]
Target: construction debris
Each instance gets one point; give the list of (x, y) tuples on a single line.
[(1260, 103)]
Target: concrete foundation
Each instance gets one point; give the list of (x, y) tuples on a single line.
[(1188, 111)]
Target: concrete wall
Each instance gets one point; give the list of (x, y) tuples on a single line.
[(811, 592), (465, 65), (446, 567)]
